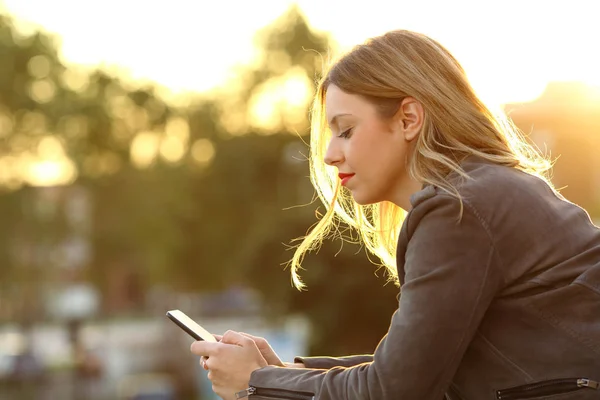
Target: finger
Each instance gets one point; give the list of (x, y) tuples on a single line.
[(203, 363), (261, 342), (232, 337), (218, 337), (255, 338), (203, 348), (221, 391)]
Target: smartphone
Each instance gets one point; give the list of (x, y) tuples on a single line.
[(190, 326)]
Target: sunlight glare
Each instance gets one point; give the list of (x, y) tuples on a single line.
[(55, 172), (39, 67), (50, 148), (175, 143), (263, 109), (203, 151), (233, 118), (75, 79), (42, 91), (296, 89), (281, 101), (172, 149), (178, 127), (509, 57), (144, 149), (120, 105)]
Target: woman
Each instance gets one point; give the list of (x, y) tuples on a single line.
[(499, 275)]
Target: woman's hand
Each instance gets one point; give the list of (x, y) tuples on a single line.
[(266, 350), (230, 362)]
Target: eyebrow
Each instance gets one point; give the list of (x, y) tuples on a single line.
[(333, 120)]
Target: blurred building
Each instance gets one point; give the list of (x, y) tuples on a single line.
[(565, 123)]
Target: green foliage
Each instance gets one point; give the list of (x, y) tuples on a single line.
[(189, 226)]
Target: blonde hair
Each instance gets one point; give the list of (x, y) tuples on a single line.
[(457, 124)]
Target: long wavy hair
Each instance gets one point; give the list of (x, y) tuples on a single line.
[(457, 124)]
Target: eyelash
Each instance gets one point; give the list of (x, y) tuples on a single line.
[(345, 134)]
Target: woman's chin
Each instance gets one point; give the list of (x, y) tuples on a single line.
[(363, 200)]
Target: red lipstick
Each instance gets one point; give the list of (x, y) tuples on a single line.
[(345, 178)]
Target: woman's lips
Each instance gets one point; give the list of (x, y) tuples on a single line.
[(345, 178)]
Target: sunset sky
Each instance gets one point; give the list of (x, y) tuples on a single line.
[(510, 49)]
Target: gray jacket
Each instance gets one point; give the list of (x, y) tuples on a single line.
[(504, 304)]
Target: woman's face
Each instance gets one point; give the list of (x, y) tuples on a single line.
[(370, 152)]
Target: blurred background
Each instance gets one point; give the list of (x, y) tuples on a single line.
[(153, 157)]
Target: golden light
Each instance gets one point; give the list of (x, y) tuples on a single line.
[(138, 118), (48, 166), (120, 106), (278, 61), (144, 149), (50, 148), (234, 120), (51, 172), (179, 128), (297, 95), (508, 63), (296, 89), (262, 108), (39, 67), (75, 79), (495, 94), (173, 145), (42, 90), (281, 101), (172, 149), (203, 151)]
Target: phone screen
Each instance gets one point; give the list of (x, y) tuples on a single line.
[(190, 326)]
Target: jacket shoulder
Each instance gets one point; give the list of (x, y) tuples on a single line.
[(491, 187)]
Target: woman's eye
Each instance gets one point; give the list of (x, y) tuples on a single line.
[(345, 134)]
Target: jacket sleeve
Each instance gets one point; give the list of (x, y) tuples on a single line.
[(330, 362), (452, 275)]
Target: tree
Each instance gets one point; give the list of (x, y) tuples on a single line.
[(194, 199), (256, 197)]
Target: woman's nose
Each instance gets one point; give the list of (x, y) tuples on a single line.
[(333, 155)]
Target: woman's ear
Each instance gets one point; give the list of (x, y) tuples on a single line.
[(409, 118)]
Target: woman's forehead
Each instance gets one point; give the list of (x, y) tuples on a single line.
[(339, 104)]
